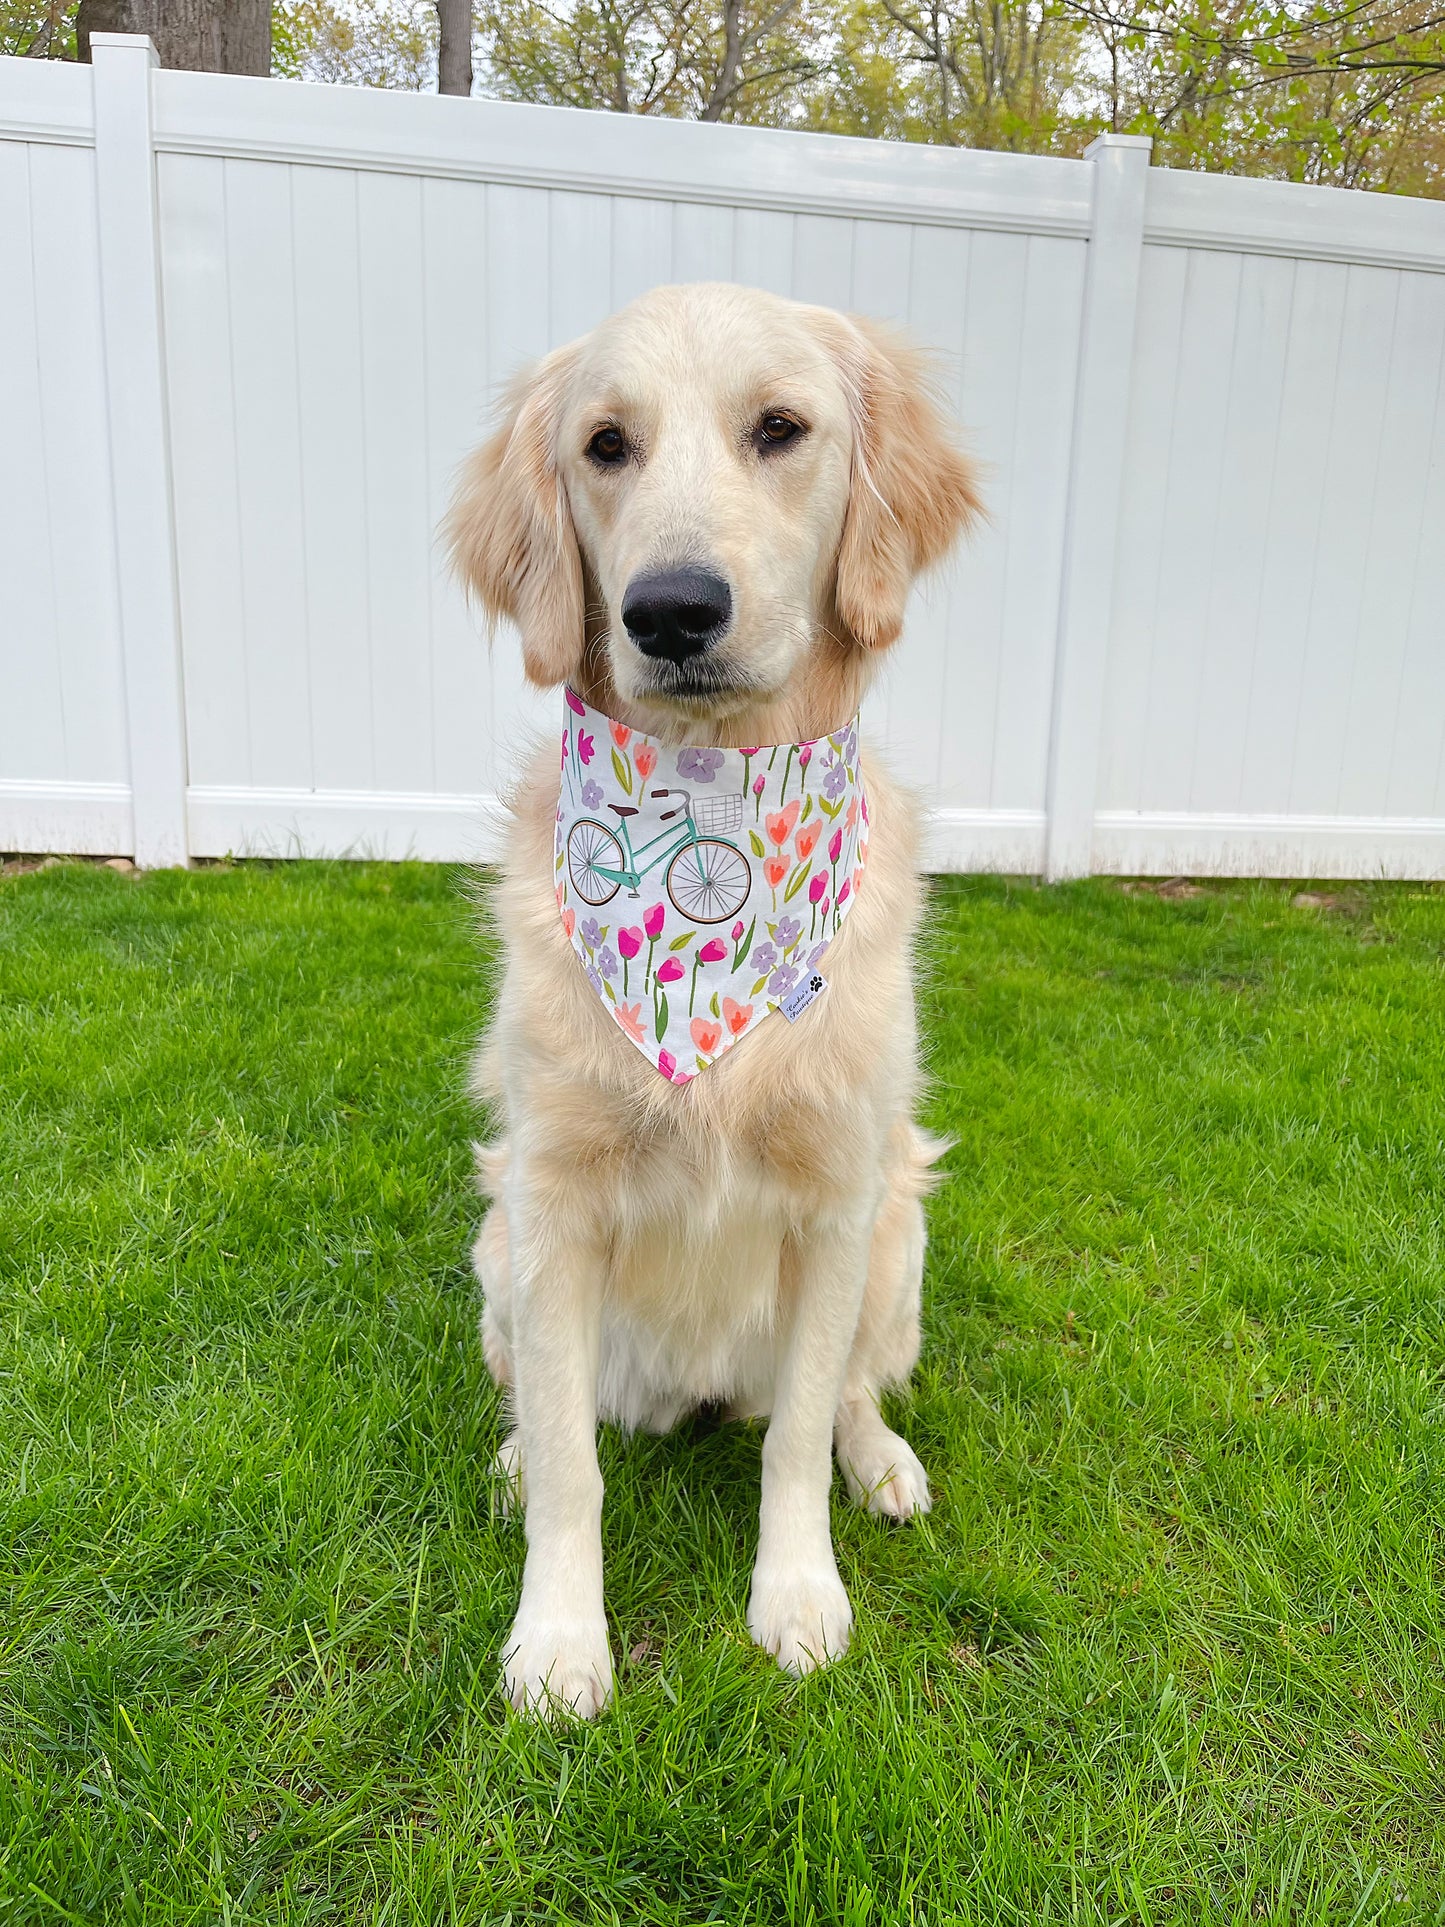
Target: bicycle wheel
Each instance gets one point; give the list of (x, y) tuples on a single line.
[(591, 851), (709, 881)]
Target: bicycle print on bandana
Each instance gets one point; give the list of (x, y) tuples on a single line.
[(700, 887)]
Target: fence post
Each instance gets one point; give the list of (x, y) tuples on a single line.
[(1096, 473), (130, 297)]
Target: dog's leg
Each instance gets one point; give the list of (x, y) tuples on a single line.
[(556, 1656), (881, 1470), (798, 1609)]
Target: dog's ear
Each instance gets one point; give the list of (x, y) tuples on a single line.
[(913, 491), (510, 530)]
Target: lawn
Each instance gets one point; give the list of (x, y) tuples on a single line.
[(1168, 1650)]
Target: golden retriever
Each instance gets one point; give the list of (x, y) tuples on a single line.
[(754, 1236)]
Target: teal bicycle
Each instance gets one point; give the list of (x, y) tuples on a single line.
[(708, 879)]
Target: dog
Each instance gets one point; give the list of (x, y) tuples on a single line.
[(705, 518)]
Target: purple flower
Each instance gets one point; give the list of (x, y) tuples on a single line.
[(591, 933), (835, 780), (764, 957), (782, 980), (607, 961), (815, 955), (787, 933), (699, 765), (592, 794), (595, 980)]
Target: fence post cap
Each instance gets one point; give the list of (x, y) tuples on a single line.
[(1136, 142), (126, 43)]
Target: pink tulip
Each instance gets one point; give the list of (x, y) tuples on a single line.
[(738, 930), (669, 970), (666, 1063), (758, 785), (835, 846), (652, 921), (575, 702), (629, 940), (817, 886), (805, 753), (825, 906), (711, 952), (843, 894)]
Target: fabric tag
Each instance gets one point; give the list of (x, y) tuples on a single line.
[(797, 1001)]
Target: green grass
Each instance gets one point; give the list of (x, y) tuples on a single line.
[(1169, 1649)]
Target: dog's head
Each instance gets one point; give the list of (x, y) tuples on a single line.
[(710, 486)]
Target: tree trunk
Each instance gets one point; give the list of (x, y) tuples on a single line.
[(454, 63), (217, 36)]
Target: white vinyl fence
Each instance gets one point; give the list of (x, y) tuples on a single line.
[(248, 328)]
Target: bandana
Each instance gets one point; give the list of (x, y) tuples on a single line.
[(700, 888)]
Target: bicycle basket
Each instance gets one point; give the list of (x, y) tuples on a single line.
[(716, 815)]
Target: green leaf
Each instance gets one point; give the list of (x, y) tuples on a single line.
[(681, 943), (829, 809), (610, 991), (714, 1006), (807, 808), (661, 1025), (757, 986), (759, 847), (622, 770), (747, 943), (701, 1063), (797, 880)]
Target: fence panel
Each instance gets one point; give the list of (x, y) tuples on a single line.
[(64, 766)]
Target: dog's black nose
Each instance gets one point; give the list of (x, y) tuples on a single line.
[(676, 613)]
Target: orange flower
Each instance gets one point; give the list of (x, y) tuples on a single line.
[(808, 838), (852, 816), (569, 919), (775, 869), (780, 826), (705, 1035), (736, 1016), (630, 1018), (620, 734), (645, 757)]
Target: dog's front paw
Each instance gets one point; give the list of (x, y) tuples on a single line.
[(556, 1667), (884, 1476), (801, 1617)]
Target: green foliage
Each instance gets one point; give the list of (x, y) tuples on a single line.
[(1166, 1652), (41, 29)]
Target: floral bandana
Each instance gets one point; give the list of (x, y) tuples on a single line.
[(701, 887)]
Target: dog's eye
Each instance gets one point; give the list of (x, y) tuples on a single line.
[(608, 446), (775, 430)]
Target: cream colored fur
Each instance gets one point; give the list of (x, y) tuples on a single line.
[(754, 1236)]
